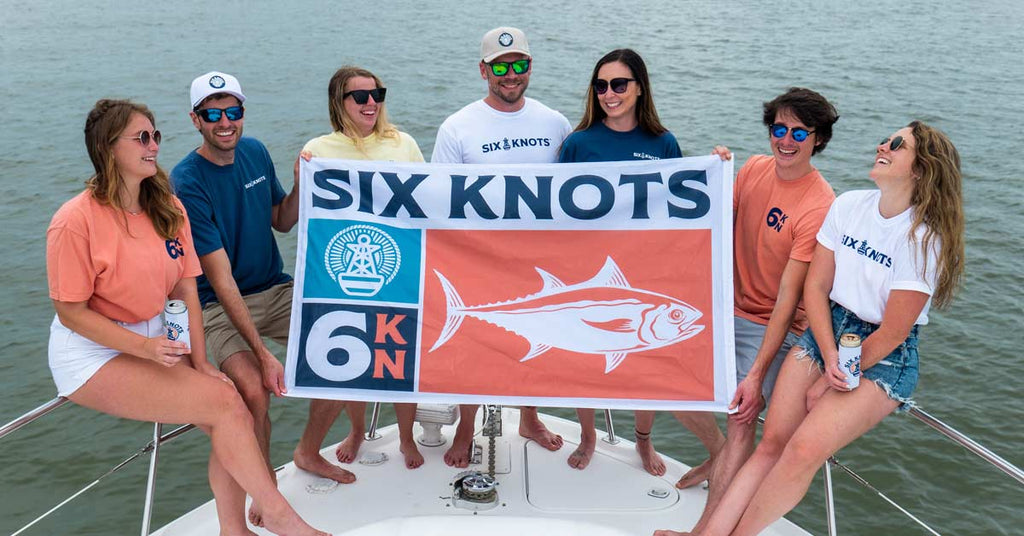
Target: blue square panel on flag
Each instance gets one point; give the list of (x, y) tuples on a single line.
[(362, 261)]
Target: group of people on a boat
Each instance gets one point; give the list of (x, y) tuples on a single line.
[(803, 275)]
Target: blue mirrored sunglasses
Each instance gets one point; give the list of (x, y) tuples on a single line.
[(212, 115), (799, 134)]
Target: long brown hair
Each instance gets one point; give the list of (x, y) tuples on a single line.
[(340, 121), (646, 114), (107, 121), (938, 205)]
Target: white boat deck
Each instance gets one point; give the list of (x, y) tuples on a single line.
[(537, 492)]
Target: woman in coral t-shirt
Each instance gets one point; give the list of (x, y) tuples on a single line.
[(114, 254)]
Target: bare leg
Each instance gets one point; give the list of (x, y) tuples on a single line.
[(644, 446), (348, 450), (837, 419), (458, 455), (705, 427), (406, 414), (580, 458), (243, 369), (134, 388), (531, 427), (739, 445), (230, 501), (322, 414), (787, 411)]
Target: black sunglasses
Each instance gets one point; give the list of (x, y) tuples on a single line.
[(212, 115), (894, 142), (500, 68), (145, 137), (362, 95), (618, 85)]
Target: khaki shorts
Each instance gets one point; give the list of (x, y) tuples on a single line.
[(271, 312)]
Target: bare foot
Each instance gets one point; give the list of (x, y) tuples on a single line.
[(413, 458), (532, 428), (318, 465), (652, 460), (243, 532), (695, 475), (458, 455), (670, 533), (289, 522), (254, 516), (349, 448), (234, 527), (580, 458)]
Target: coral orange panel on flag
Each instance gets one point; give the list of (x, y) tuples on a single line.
[(600, 314)]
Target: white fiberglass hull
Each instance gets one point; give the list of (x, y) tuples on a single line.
[(537, 492)]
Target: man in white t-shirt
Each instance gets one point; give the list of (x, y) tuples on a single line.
[(504, 127)]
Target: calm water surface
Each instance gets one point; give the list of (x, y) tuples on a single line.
[(954, 64)]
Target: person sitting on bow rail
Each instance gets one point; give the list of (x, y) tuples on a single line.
[(235, 203), (882, 257), (114, 254), (779, 202)]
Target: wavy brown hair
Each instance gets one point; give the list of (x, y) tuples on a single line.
[(340, 121), (646, 114), (938, 205), (105, 123)]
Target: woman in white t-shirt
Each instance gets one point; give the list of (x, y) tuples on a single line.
[(883, 257), (355, 101)]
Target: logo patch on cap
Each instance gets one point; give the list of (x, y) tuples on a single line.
[(505, 39), (216, 82)]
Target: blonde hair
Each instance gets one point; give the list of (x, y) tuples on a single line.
[(938, 205), (106, 121), (341, 122)]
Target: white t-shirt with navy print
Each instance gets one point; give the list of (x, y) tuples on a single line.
[(874, 255), (479, 134)]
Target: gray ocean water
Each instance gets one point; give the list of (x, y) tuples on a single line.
[(957, 65)]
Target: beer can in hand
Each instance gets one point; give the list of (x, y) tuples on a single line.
[(176, 322), (849, 358)]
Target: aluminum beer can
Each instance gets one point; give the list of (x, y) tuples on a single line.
[(176, 321), (849, 358)]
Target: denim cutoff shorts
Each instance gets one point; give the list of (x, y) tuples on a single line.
[(896, 374)]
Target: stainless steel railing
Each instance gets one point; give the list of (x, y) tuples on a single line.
[(159, 438), (152, 448)]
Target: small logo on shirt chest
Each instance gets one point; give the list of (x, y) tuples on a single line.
[(254, 182), (507, 144), (862, 248), (776, 219), (174, 249)]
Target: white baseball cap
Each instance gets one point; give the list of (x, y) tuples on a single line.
[(215, 82), (503, 41)]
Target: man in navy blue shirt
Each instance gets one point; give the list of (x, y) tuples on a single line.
[(234, 200)]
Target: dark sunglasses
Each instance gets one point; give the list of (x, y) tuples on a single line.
[(145, 137), (799, 134), (500, 68), (212, 115), (894, 142), (618, 85), (362, 95)]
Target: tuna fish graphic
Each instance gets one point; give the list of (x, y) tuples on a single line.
[(604, 316)]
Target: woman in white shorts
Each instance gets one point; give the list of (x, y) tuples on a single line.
[(114, 254)]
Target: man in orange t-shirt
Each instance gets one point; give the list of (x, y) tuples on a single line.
[(779, 203)]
